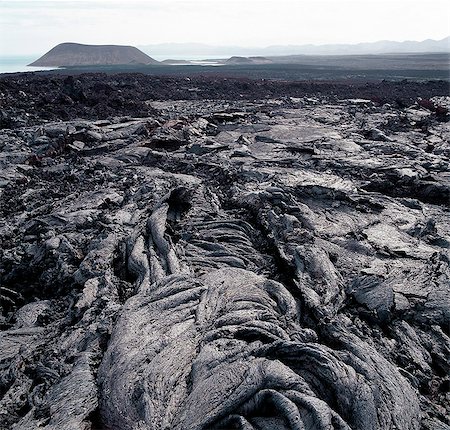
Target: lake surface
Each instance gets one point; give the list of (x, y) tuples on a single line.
[(190, 57), (13, 64)]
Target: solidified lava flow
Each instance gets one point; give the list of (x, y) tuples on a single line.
[(217, 253)]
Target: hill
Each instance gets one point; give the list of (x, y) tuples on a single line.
[(75, 54), (248, 60)]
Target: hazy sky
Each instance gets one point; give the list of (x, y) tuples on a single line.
[(35, 26)]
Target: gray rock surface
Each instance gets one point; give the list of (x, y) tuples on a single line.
[(260, 264)]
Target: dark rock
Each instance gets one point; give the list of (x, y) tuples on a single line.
[(376, 134), (76, 145), (222, 262)]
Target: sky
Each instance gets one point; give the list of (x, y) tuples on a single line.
[(35, 26)]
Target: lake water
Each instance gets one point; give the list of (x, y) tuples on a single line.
[(190, 57), (19, 64), (13, 64)]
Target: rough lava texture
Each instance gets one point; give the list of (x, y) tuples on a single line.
[(250, 263)]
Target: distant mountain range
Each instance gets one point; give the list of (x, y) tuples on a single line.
[(76, 54), (381, 47)]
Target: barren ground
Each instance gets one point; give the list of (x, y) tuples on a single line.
[(223, 253)]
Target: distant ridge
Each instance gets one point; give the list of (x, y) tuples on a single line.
[(76, 54), (380, 47)]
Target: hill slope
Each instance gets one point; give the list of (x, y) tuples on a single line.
[(75, 54)]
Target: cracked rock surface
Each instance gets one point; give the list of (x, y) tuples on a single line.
[(251, 263)]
